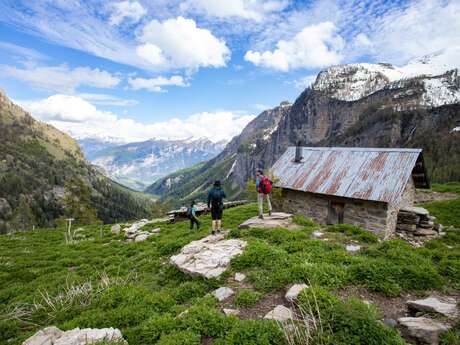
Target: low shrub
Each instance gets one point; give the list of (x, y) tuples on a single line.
[(253, 332), (180, 338), (247, 298), (304, 221), (348, 323), (354, 232)]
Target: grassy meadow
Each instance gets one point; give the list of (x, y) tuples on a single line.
[(100, 281)]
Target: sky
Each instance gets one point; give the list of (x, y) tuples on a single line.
[(138, 69)]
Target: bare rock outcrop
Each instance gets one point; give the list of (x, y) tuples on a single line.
[(208, 257), (77, 336), (276, 220)]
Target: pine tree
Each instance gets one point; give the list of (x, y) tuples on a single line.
[(77, 202), (23, 217)]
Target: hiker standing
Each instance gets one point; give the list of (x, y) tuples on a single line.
[(192, 215), (215, 201), (263, 186)]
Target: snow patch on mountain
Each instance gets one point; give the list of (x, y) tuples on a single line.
[(354, 81), (441, 90)]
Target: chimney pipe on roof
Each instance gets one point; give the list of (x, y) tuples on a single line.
[(298, 153)]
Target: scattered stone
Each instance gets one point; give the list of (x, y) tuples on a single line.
[(276, 220), (421, 329), (417, 210), (352, 248), (426, 232), (434, 305), (390, 322), (142, 237), (317, 234), (280, 313), (294, 291), (223, 293), (115, 229), (208, 257), (155, 231), (234, 312), (77, 336), (239, 277)]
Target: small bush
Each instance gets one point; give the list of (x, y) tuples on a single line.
[(354, 232), (180, 338), (304, 221), (247, 298), (324, 274), (347, 323), (253, 332)]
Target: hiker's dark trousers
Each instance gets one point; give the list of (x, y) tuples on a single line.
[(194, 220)]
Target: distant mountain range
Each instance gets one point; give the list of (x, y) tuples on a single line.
[(139, 164), (373, 105)]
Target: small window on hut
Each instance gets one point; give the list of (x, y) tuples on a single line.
[(335, 212)]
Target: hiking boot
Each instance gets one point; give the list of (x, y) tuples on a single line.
[(213, 232), (261, 216), (269, 213)]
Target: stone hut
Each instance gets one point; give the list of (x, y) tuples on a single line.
[(366, 187)]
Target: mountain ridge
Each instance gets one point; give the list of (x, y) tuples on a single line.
[(348, 105)]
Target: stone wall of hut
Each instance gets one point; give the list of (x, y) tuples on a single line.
[(370, 215)]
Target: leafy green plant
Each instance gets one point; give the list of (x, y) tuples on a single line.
[(247, 298), (354, 232)]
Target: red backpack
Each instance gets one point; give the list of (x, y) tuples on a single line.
[(265, 185)]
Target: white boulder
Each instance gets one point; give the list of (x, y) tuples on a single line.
[(434, 305), (352, 248), (208, 257), (294, 291), (280, 313), (421, 329), (239, 277), (234, 312), (115, 229), (223, 293), (77, 336)]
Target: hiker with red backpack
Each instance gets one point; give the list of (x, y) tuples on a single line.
[(264, 187)]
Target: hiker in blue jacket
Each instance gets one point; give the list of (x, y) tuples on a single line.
[(216, 202), (192, 215)]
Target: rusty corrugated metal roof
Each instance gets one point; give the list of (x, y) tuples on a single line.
[(361, 173)]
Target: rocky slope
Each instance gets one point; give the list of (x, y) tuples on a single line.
[(139, 164), (348, 105), (36, 160)]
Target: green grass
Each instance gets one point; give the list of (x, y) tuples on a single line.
[(447, 212), (103, 282), (449, 187)]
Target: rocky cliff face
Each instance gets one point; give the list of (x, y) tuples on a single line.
[(353, 105)]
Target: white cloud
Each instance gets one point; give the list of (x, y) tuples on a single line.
[(130, 10), (69, 109), (20, 51), (62, 78), (156, 84), (315, 46), (246, 9), (81, 119), (303, 83), (422, 28), (179, 43), (104, 99)]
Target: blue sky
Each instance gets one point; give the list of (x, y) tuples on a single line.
[(174, 69)]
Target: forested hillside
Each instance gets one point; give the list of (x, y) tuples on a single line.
[(43, 177)]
